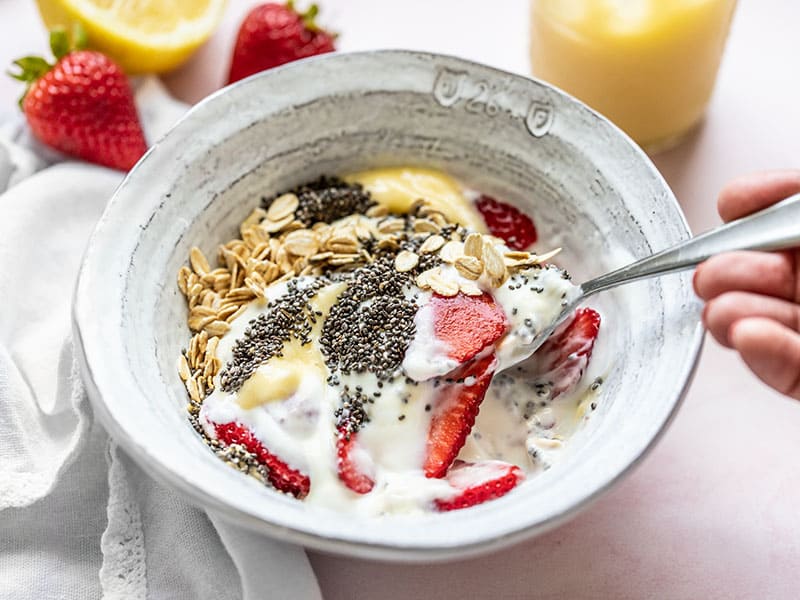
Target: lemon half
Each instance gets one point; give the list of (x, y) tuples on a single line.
[(143, 36)]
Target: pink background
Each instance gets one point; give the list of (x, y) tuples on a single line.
[(713, 511)]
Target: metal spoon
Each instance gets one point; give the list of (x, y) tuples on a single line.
[(774, 228)]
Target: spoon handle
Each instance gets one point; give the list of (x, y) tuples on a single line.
[(774, 228)]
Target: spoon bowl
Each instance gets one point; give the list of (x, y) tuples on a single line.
[(774, 228)]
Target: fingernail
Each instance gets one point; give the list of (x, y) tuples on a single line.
[(732, 332), (694, 277)]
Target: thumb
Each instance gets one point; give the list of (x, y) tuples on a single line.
[(771, 350)]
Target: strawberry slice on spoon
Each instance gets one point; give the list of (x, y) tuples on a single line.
[(561, 361)]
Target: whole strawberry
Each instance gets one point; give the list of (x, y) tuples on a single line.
[(82, 105), (274, 34)]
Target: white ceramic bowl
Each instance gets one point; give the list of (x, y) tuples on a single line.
[(590, 188)]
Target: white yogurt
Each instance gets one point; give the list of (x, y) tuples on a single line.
[(294, 417), (512, 425), (301, 430), (427, 356), (533, 300)]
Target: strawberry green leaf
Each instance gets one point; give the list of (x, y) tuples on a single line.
[(21, 76), (59, 42), (79, 38), (62, 42), (31, 68)]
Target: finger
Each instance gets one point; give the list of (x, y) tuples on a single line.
[(730, 307), (767, 273), (771, 350), (751, 193)]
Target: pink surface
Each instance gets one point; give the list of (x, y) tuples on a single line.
[(713, 511)]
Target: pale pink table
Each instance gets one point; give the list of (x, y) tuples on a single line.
[(714, 511)]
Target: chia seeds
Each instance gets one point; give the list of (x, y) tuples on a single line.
[(290, 316), (371, 325), (352, 413), (327, 199)]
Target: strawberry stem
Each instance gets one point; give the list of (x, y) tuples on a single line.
[(79, 38), (59, 43), (307, 17)]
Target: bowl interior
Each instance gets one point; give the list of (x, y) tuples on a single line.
[(590, 190)]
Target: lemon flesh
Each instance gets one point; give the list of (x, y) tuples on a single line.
[(142, 36)]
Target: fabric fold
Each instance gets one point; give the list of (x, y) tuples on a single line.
[(123, 574), (250, 552), (43, 414), (78, 518)]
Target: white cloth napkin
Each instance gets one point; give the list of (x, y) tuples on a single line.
[(78, 519)]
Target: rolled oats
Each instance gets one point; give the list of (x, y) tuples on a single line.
[(432, 244), (469, 266), (391, 225), (494, 264), (183, 368), (442, 286), (469, 288), (302, 242), (406, 260), (540, 258), (473, 245), (377, 211), (282, 207), (451, 251), (426, 226), (217, 328), (198, 261), (274, 226)]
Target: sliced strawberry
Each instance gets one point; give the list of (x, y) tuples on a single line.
[(562, 359), (350, 459), (283, 477), (468, 324), (507, 222), (454, 413), (479, 482)]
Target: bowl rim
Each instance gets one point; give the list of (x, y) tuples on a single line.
[(82, 310)]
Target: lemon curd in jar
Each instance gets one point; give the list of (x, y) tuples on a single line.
[(648, 65)]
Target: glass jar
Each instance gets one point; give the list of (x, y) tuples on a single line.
[(648, 65)]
